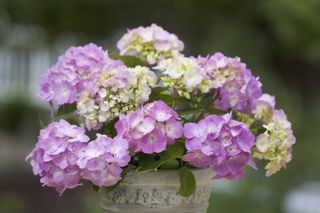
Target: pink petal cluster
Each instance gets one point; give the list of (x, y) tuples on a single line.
[(220, 143), (238, 88), (64, 80), (55, 156), (151, 44), (102, 160), (151, 128)]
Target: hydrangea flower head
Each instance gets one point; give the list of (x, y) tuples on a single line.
[(220, 143), (115, 90), (101, 162), (151, 128), (56, 153), (275, 144), (65, 80), (238, 88), (184, 75), (151, 44)]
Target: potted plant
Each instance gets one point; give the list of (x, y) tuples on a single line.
[(150, 128)]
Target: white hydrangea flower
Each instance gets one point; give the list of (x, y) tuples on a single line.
[(184, 74), (114, 91), (151, 44), (275, 144)]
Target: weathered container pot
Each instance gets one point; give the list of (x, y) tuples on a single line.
[(156, 192)]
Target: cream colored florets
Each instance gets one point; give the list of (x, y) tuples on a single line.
[(275, 144)]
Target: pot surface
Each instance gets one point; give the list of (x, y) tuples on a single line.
[(156, 192)]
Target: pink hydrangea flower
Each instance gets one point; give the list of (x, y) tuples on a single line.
[(151, 44), (102, 160), (151, 128), (65, 80), (198, 159), (220, 143), (56, 153), (238, 88)]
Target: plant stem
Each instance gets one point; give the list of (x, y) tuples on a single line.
[(200, 115), (173, 105), (210, 101)]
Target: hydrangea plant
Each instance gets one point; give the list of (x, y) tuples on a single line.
[(150, 108)]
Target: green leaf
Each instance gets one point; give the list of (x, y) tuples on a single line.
[(257, 127), (66, 109), (72, 120), (189, 111), (187, 118), (256, 124), (184, 100), (95, 188), (159, 90), (187, 182), (171, 164), (129, 61), (161, 93), (149, 162), (92, 135), (214, 111), (109, 128), (165, 160), (175, 150)]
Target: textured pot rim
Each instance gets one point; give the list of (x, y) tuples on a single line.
[(169, 170), (165, 177)]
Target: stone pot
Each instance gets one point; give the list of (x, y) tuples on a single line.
[(156, 192)]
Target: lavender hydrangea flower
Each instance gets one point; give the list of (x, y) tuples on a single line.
[(151, 44), (56, 153), (102, 160), (220, 143), (114, 90), (151, 128), (184, 75), (65, 80), (275, 144), (238, 88)]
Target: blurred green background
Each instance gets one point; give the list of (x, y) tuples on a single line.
[(278, 39)]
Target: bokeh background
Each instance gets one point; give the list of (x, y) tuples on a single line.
[(278, 39)]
